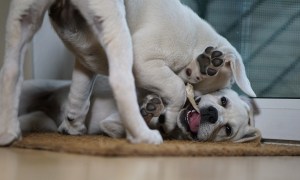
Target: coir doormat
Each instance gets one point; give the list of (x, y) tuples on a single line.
[(106, 146)]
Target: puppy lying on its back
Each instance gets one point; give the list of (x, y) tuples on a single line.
[(223, 116)]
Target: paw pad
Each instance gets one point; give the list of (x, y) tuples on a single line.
[(210, 61), (151, 107)]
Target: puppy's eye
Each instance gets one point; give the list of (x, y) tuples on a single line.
[(224, 101), (197, 100), (228, 130)]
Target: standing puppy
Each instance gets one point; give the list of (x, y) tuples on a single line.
[(106, 20)]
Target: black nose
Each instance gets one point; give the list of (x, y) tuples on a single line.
[(209, 114)]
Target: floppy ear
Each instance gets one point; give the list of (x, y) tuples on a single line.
[(250, 134), (252, 109), (239, 73)]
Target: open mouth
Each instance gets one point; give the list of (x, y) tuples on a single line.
[(190, 119)]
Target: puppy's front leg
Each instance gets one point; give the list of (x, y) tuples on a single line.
[(107, 19), (78, 101), (24, 19), (161, 80)]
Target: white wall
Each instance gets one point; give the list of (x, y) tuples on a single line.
[(3, 14), (50, 58)]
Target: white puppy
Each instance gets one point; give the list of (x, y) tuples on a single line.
[(106, 20), (223, 116)]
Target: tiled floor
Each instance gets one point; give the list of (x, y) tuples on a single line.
[(20, 164)]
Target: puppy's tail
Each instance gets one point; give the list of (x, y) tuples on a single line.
[(64, 15)]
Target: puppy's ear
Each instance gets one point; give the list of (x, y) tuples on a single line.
[(250, 134), (239, 73), (252, 109)]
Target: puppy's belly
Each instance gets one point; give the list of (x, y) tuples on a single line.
[(78, 37), (96, 64), (87, 50)]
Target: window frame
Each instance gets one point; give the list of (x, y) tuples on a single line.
[(278, 118)]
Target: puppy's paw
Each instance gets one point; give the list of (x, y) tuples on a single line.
[(9, 135), (151, 107), (72, 127), (211, 61), (147, 137)]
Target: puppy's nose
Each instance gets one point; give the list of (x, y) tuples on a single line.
[(209, 114)]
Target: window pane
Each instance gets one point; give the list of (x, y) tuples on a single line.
[(267, 35)]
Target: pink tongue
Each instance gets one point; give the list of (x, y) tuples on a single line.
[(194, 122)]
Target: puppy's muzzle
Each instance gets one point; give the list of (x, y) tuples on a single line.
[(209, 114)]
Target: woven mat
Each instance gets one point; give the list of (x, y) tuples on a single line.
[(106, 146)]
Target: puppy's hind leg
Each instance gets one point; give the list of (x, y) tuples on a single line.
[(37, 121), (112, 126), (107, 19), (24, 19), (78, 101)]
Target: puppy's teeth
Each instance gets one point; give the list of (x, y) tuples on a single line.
[(190, 96)]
